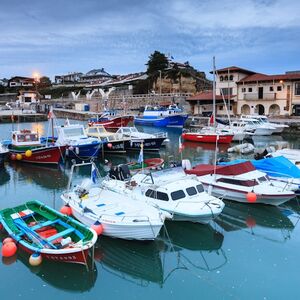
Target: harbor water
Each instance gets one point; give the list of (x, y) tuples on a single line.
[(248, 252)]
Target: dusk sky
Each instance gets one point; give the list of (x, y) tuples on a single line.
[(60, 36)]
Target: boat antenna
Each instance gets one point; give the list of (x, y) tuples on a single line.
[(214, 94)]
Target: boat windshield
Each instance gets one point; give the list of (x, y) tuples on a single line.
[(71, 132), (157, 195), (238, 182), (92, 130)]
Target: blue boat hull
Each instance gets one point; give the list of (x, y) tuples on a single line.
[(168, 121), (83, 151)]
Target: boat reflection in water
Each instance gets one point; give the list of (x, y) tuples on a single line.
[(182, 246), (69, 277), (4, 176), (47, 177), (255, 219)]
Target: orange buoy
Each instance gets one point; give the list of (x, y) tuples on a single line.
[(35, 259), (251, 197), (66, 210), (19, 156), (8, 240), (97, 227), (9, 249)]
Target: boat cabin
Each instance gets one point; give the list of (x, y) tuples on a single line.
[(70, 132), (25, 137), (99, 131)]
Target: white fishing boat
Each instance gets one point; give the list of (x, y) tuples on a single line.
[(119, 215), (235, 182), (171, 190), (134, 138)]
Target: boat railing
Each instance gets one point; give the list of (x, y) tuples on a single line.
[(278, 176), (161, 134)]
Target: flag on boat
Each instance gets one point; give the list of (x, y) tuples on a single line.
[(141, 156), (94, 174), (211, 120)]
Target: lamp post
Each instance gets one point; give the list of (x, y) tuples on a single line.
[(159, 84)]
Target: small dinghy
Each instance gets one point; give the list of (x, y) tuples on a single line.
[(244, 148), (46, 233)]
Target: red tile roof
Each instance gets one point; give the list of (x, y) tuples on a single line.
[(233, 69), (263, 77)]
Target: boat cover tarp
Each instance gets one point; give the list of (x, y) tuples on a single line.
[(278, 166), (231, 169)]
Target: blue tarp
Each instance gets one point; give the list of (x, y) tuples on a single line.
[(274, 166)]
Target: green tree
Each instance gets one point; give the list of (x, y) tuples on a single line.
[(44, 82), (157, 62)]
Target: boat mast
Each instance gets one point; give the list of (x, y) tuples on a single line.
[(214, 94)]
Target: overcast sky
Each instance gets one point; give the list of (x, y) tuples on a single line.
[(61, 36)]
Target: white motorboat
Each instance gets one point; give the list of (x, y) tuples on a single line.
[(264, 120), (119, 215), (238, 129), (3, 153), (134, 138), (234, 182), (171, 190), (260, 128)]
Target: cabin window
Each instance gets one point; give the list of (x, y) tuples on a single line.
[(92, 130), (157, 195), (262, 179), (200, 188), (73, 131), (191, 191), (177, 195), (238, 182)]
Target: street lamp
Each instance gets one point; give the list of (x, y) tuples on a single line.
[(159, 84)]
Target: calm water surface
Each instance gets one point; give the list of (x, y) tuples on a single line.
[(249, 252)]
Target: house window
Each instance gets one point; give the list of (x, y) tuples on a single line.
[(231, 77), (221, 78), (279, 88), (221, 107), (297, 88), (224, 91), (271, 88), (249, 90), (243, 90), (226, 78)]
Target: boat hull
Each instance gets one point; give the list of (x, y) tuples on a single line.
[(78, 256), (112, 123), (150, 144), (241, 196), (114, 147), (83, 151), (131, 231), (3, 157), (44, 155), (168, 121), (207, 138)]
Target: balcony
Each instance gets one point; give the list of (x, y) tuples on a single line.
[(254, 96)]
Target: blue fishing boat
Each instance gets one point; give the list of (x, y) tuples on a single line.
[(159, 116), (78, 144)]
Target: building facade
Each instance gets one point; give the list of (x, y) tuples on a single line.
[(246, 92), (19, 81)]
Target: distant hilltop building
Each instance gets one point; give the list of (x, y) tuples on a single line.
[(248, 92), (68, 78), (19, 81), (94, 76)]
